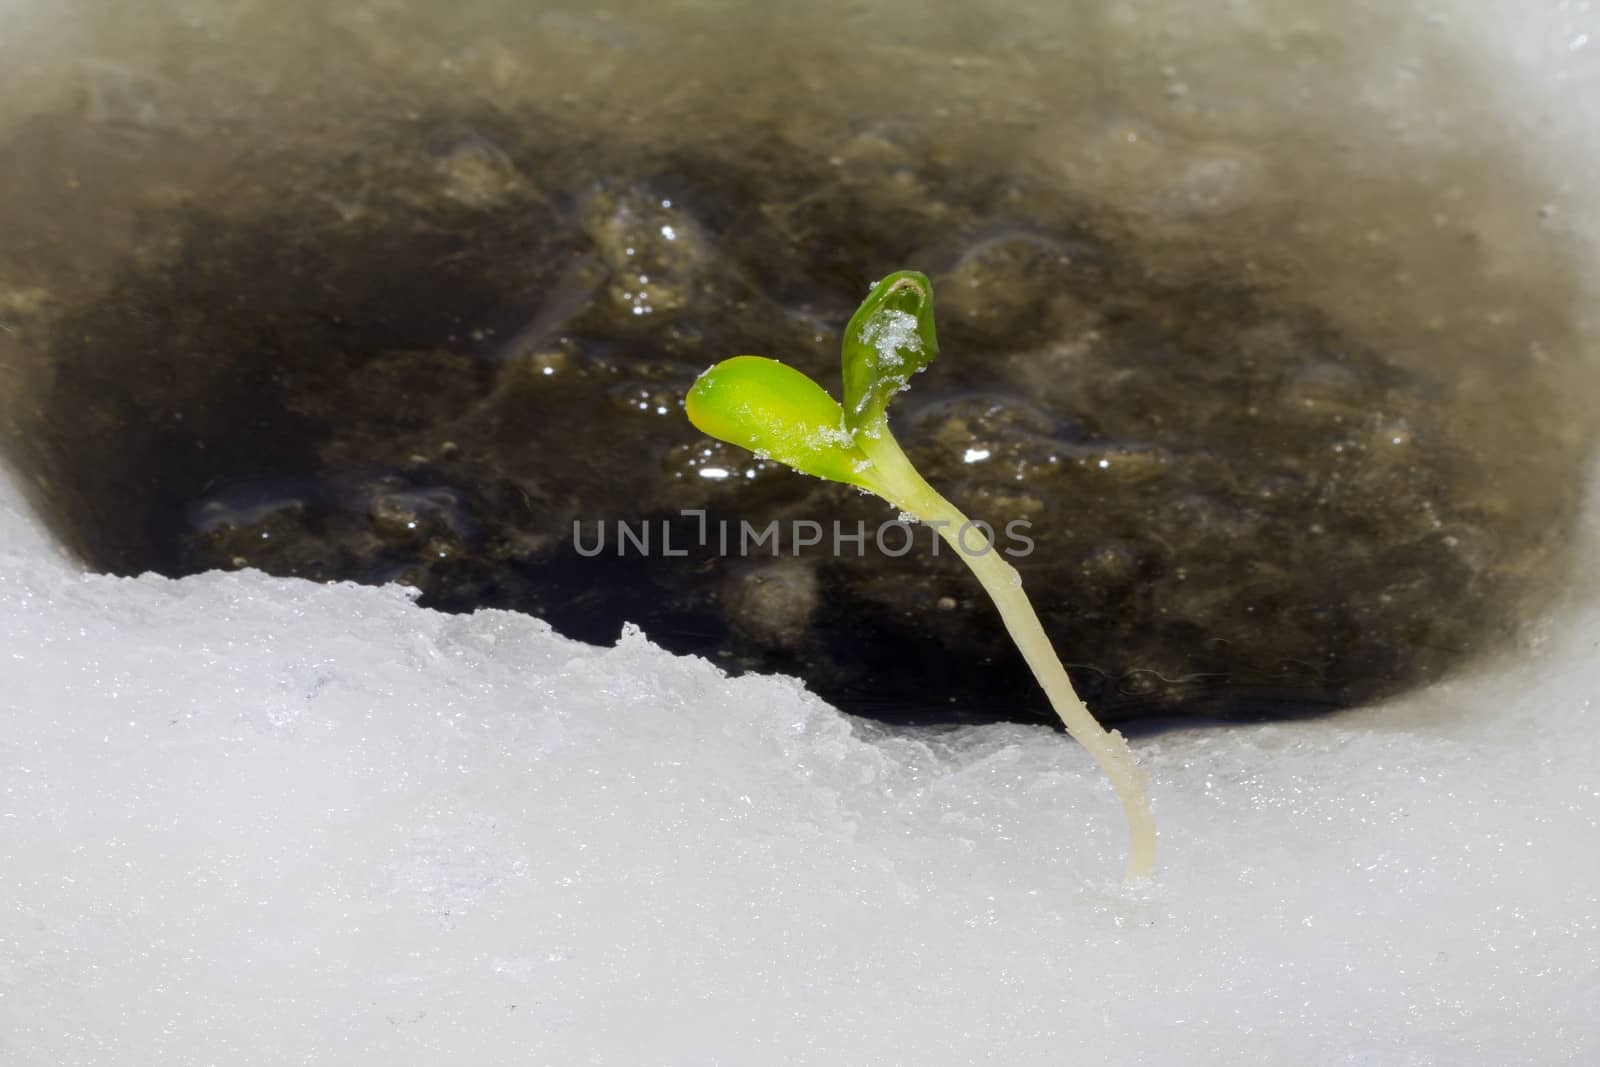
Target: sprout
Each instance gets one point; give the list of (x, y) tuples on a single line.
[(775, 411)]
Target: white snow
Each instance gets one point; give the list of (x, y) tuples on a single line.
[(888, 332), (252, 821), (246, 820)]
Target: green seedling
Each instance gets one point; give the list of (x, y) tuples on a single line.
[(778, 413)]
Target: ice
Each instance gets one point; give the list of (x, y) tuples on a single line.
[(890, 331), (246, 820), (251, 820)]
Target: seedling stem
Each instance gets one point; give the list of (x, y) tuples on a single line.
[(777, 412), (913, 495)]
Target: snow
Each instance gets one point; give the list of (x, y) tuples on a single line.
[(890, 331), (246, 820), (250, 820)]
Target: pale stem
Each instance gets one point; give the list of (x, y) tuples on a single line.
[(904, 488)]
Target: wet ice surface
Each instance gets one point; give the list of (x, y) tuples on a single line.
[(1266, 323), (257, 820)]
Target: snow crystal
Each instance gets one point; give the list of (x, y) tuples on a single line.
[(825, 437), (890, 331)]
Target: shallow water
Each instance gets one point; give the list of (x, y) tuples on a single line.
[(1267, 324)]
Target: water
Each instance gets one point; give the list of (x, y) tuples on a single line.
[(1268, 326)]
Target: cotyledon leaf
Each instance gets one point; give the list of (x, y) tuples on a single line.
[(889, 339), (777, 412)]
